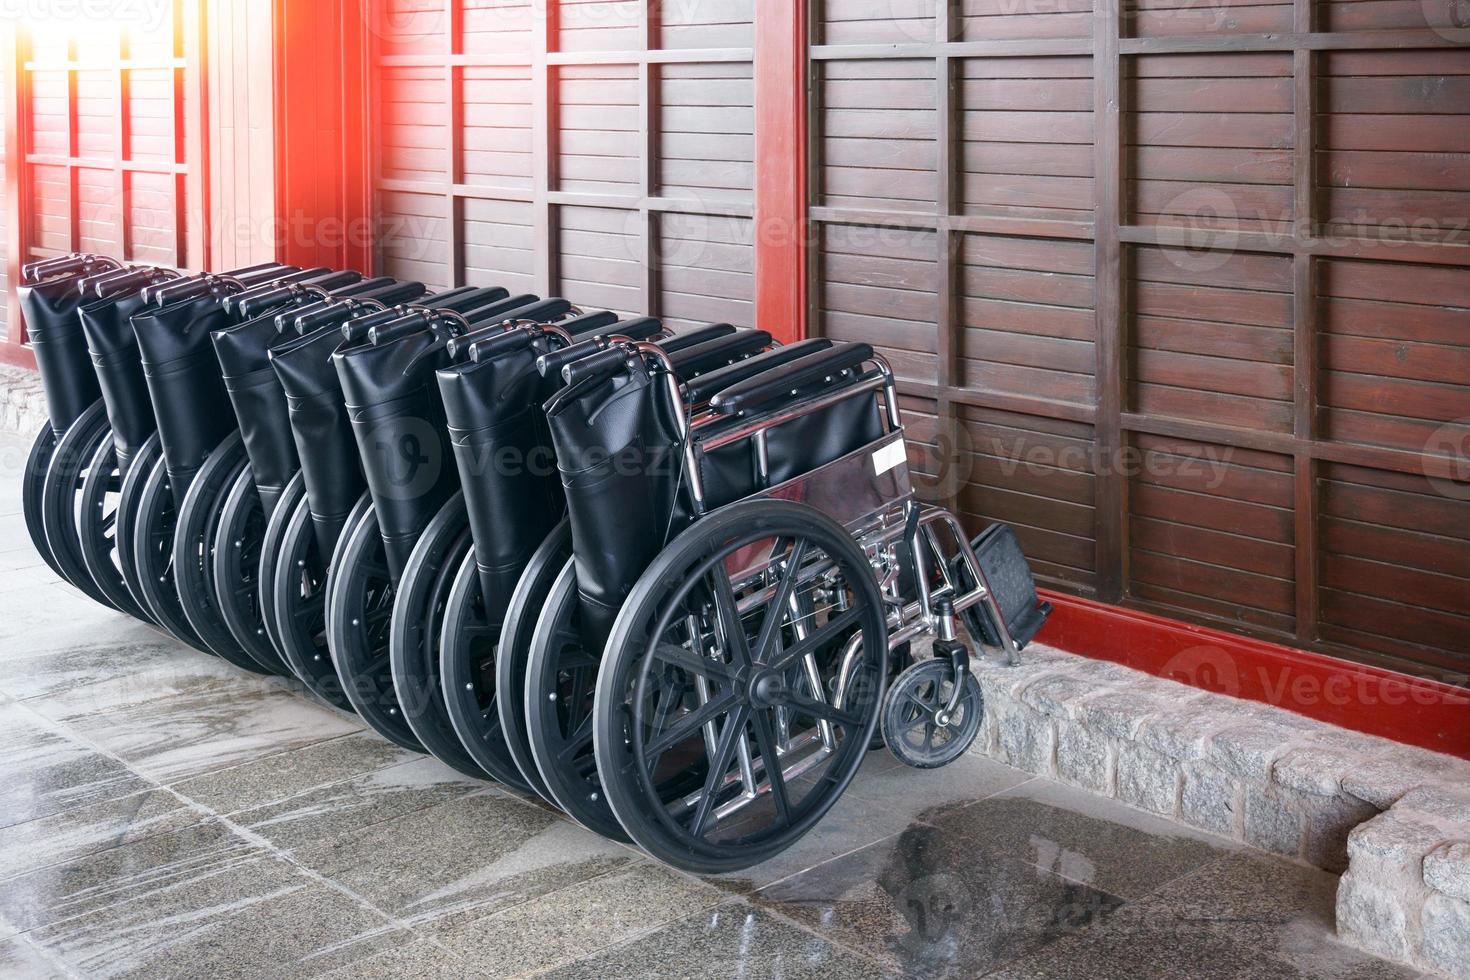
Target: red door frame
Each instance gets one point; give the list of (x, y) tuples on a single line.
[(781, 162)]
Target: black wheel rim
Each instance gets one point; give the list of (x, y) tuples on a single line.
[(237, 585), (911, 729), (61, 498), (194, 543), (129, 513), (513, 656), (97, 528), (467, 645), (754, 691), (33, 486), (561, 681), (360, 594), (297, 606), (153, 556), (418, 618)]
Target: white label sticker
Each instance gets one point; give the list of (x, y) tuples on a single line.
[(891, 456)]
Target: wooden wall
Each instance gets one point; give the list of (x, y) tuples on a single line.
[(1182, 291), (105, 123), (241, 134), (601, 150)]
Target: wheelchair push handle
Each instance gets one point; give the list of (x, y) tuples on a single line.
[(596, 365), (32, 273), (779, 383), (316, 283), (257, 297), (127, 281), (503, 318)]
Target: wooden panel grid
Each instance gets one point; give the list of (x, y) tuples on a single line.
[(1183, 293), (601, 150), (105, 143)]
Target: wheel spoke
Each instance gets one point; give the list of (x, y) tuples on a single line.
[(829, 631), (731, 628), (765, 740), (776, 611), (691, 662), (576, 742), (688, 726), (820, 710), (733, 730)]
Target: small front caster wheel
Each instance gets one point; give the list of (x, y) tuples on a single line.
[(917, 725)]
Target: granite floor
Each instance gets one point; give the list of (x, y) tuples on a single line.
[(162, 814)]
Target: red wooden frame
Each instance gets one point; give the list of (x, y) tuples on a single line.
[(323, 197), (1414, 710), (13, 350), (780, 178)]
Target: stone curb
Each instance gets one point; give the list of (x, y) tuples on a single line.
[(22, 402), (1395, 818)]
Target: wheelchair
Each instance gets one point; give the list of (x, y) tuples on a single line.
[(722, 651), (51, 293), (673, 582)]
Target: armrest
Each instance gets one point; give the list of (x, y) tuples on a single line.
[(779, 383), (588, 322), (470, 300), (539, 311), (692, 338), (638, 328), (701, 389), (714, 354)]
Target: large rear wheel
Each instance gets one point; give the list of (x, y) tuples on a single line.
[(413, 640), (194, 542), (467, 645), (97, 524), (236, 555), (61, 493), (360, 593), (755, 650)]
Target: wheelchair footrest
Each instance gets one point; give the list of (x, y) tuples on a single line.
[(1011, 583)]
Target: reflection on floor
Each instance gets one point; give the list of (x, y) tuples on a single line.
[(164, 814)]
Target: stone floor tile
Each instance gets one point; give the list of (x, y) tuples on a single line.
[(278, 777), (573, 922), (1280, 911), (53, 663), (349, 806), (473, 856), (173, 738), (252, 919), (76, 833), (853, 823), (44, 607), (733, 940), (422, 958), (20, 959), (46, 772), (928, 902), (928, 794), (135, 874), (1088, 838)]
